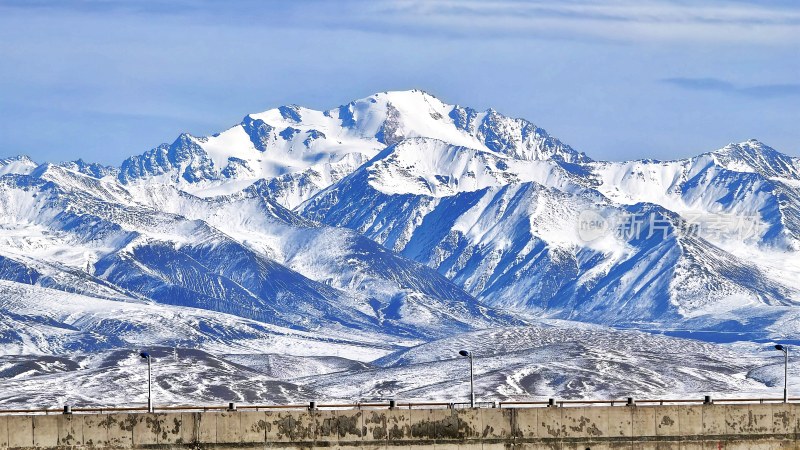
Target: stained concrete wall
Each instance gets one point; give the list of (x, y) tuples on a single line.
[(762, 426)]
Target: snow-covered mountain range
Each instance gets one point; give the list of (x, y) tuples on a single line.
[(348, 251)]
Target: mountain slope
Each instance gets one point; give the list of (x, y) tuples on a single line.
[(300, 151), (507, 230), (99, 230), (345, 253), (378, 283), (559, 361)]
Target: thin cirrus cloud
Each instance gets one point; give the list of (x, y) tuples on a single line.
[(620, 20), (83, 77), (617, 20), (718, 85)]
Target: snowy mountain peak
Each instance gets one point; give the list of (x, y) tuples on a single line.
[(17, 158), (393, 116), (47, 171), (435, 168), (20, 164), (408, 100), (94, 170), (183, 159), (300, 151), (756, 157)]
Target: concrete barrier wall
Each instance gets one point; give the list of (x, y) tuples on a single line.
[(762, 426)]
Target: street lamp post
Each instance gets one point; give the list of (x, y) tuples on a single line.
[(471, 377), (785, 350), (146, 356)]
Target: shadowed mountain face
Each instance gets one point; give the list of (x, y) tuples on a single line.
[(676, 241), (393, 221), (93, 233)]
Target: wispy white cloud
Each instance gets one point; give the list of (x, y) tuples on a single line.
[(718, 85), (772, 22), (101, 79), (623, 20)]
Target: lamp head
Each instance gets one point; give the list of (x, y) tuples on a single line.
[(780, 347), (464, 353), (144, 355)]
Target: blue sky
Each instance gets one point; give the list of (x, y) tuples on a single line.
[(620, 79)]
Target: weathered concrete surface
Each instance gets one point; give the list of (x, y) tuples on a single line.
[(95, 430), (45, 431), (253, 426), (20, 431), (758, 426), (120, 429), (3, 432)]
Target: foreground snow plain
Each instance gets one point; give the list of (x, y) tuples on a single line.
[(349, 254)]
